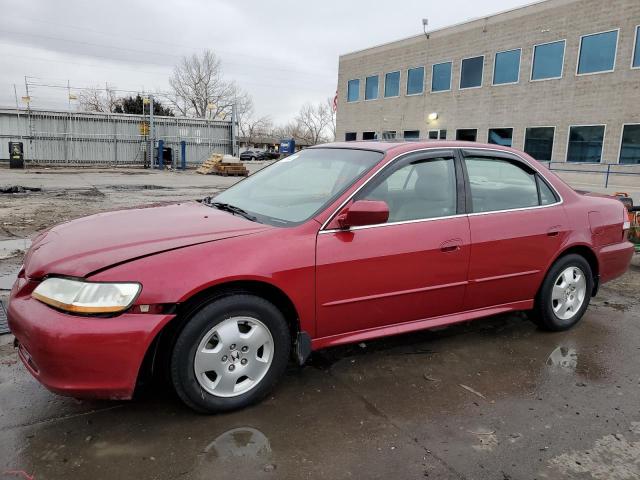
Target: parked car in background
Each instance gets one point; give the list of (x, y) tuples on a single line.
[(271, 154), (338, 243), (252, 155)]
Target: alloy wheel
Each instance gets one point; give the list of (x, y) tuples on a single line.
[(234, 356)]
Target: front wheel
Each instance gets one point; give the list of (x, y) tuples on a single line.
[(230, 354), (565, 294)]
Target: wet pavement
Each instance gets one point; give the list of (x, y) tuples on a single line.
[(495, 399)]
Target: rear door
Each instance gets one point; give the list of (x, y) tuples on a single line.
[(517, 225), (410, 268)]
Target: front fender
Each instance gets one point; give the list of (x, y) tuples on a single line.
[(283, 258)]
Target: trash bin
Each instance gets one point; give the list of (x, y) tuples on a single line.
[(16, 155)]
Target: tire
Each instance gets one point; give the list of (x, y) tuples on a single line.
[(242, 344), (253, 159), (564, 295)]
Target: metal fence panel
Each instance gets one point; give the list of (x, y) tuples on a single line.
[(104, 139)]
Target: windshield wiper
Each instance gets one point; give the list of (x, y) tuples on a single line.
[(229, 208)]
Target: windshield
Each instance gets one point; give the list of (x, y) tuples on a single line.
[(299, 186)]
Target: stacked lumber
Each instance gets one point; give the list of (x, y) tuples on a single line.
[(216, 165)]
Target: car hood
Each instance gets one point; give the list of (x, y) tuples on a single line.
[(82, 246)]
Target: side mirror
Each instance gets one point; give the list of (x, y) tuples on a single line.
[(361, 213)]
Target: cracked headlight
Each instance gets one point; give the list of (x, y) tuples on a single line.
[(79, 296)]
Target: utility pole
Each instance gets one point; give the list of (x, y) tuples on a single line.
[(152, 139), (234, 131), (30, 119), (15, 93)]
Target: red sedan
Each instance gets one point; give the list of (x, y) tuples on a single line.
[(335, 244)]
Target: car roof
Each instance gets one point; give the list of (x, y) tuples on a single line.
[(401, 146)]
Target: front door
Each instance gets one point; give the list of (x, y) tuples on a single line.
[(410, 268)]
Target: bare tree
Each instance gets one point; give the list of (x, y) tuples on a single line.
[(98, 99), (314, 120), (251, 127), (331, 128), (199, 88)]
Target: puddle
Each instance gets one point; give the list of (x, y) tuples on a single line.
[(13, 247), (11, 250), (245, 450), (135, 187), (19, 189), (565, 358)]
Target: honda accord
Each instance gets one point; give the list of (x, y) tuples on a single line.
[(338, 243)]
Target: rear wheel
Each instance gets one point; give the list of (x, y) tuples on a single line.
[(230, 354), (565, 294)]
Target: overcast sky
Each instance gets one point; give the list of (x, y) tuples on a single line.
[(283, 52)]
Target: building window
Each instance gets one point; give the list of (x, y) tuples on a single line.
[(636, 50), (443, 134), (501, 136), (585, 144), (411, 134), (548, 61), (471, 72), (353, 90), (392, 84), (506, 67), (389, 135), (598, 52), (467, 134), (369, 136), (441, 77), (433, 134), (350, 137), (538, 142), (371, 88), (630, 148), (415, 81)]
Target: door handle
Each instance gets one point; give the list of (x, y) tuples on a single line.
[(554, 231), (451, 245)]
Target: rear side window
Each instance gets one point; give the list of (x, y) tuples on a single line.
[(498, 184), (418, 190)]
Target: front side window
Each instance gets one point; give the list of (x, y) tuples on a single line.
[(392, 84), (353, 90), (636, 50), (418, 190), (506, 68), (548, 60), (598, 52), (630, 149), (471, 72), (585, 144), (538, 142), (294, 189), (371, 88), (441, 77), (467, 134), (415, 81), (411, 134), (498, 184), (501, 136)]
